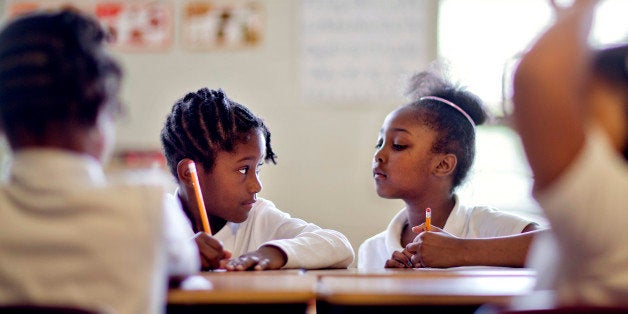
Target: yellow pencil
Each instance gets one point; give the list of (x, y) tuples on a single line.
[(428, 219), (199, 197)]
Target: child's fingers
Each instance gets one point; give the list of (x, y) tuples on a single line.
[(392, 263), (407, 254), (420, 228), (413, 247), (223, 263), (208, 240), (244, 262), (417, 260), (402, 258), (262, 265), (211, 251)]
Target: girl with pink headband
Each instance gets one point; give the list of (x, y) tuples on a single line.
[(423, 153)]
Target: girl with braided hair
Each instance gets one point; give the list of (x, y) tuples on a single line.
[(229, 144)]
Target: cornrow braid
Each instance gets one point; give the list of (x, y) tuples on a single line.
[(204, 122)]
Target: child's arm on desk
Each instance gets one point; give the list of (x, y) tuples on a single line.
[(441, 249), (267, 257)]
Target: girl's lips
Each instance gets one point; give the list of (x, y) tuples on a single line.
[(248, 205), (378, 174)]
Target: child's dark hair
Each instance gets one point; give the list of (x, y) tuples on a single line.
[(456, 134), (203, 123), (54, 71), (612, 62)]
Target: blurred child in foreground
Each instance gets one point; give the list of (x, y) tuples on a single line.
[(70, 236), (571, 110)]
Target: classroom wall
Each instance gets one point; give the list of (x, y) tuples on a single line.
[(323, 173), (325, 148)]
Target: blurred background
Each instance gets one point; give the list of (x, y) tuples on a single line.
[(323, 74)]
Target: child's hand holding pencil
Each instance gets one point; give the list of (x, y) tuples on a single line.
[(210, 249)]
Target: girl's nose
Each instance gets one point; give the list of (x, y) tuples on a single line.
[(255, 184), (379, 156)]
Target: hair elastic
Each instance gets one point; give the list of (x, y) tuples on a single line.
[(451, 104)]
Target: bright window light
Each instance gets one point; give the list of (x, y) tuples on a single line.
[(479, 41), (478, 38)]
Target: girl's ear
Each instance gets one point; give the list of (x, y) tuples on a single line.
[(183, 172), (446, 165)]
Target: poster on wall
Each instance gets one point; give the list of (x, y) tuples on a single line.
[(360, 52), (209, 25), (138, 25), (18, 7)]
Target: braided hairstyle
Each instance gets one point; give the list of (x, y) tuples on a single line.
[(54, 71), (206, 122), (456, 134)]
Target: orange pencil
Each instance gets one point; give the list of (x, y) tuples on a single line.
[(428, 219), (199, 197)]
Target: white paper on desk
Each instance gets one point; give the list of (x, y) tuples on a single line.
[(196, 283)]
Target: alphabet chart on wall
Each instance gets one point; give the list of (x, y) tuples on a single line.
[(359, 51)]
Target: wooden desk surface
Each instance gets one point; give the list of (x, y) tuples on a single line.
[(252, 287), (422, 290), (425, 272), (347, 287)]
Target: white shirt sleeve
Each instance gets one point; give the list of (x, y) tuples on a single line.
[(306, 245), (372, 252)]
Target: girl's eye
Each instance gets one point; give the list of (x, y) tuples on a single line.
[(259, 168), (244, 170), (398, 147), (379, 144)]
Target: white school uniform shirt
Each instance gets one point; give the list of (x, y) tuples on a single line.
[(463, 221), (306, 245), (69, 236), (585, 258)]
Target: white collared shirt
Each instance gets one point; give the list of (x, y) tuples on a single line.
[(463, 221), (306, 245)]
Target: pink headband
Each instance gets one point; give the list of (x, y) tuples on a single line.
[(445, 101)]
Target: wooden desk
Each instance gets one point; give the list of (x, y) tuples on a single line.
[(461, 290), (425, 272), (289, 291)]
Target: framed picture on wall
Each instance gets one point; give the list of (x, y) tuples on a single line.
[(18, 7), (209, 25), (138, 25)]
